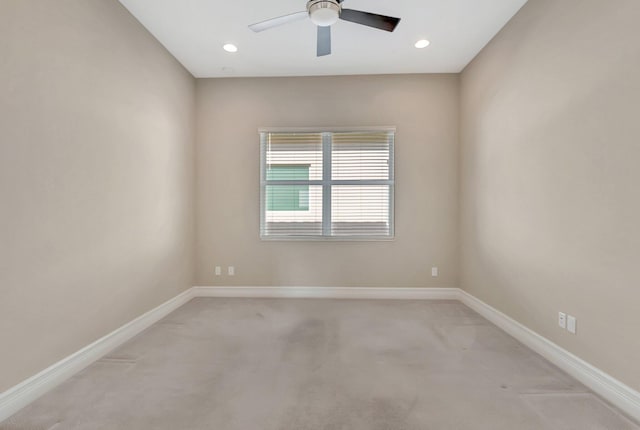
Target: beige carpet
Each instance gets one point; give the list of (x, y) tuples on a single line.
[(244, 364)]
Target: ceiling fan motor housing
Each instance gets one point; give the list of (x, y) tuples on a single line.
[(324, 12)]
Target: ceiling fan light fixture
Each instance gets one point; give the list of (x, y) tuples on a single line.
[(324, 13)]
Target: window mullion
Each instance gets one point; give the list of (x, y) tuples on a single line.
[(326, 184)]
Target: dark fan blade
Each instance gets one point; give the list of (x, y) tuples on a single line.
[(274, 22), (324, 41), (381, 22)]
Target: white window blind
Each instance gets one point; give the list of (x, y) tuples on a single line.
[(327, 184)]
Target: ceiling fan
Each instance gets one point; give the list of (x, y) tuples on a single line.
[(325, 13)]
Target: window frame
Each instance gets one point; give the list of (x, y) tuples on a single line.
[(327, 183)]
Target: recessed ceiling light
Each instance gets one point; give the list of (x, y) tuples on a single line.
[(422, 43), (230, 47)]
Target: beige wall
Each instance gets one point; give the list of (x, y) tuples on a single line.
[(425, 110), (96, 177), (550, 177)]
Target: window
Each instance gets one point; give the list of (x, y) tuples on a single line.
[(327, 184)]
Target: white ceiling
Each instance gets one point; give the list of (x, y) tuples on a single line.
[(195, 30)]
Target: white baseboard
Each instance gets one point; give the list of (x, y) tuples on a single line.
[(617, 393), (614, 391), (14, 399), (330, 293)]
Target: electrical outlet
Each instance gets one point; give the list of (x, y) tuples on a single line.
[(231, 271), (562, 319), (572, 324), (434, 272), (218, 271)]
